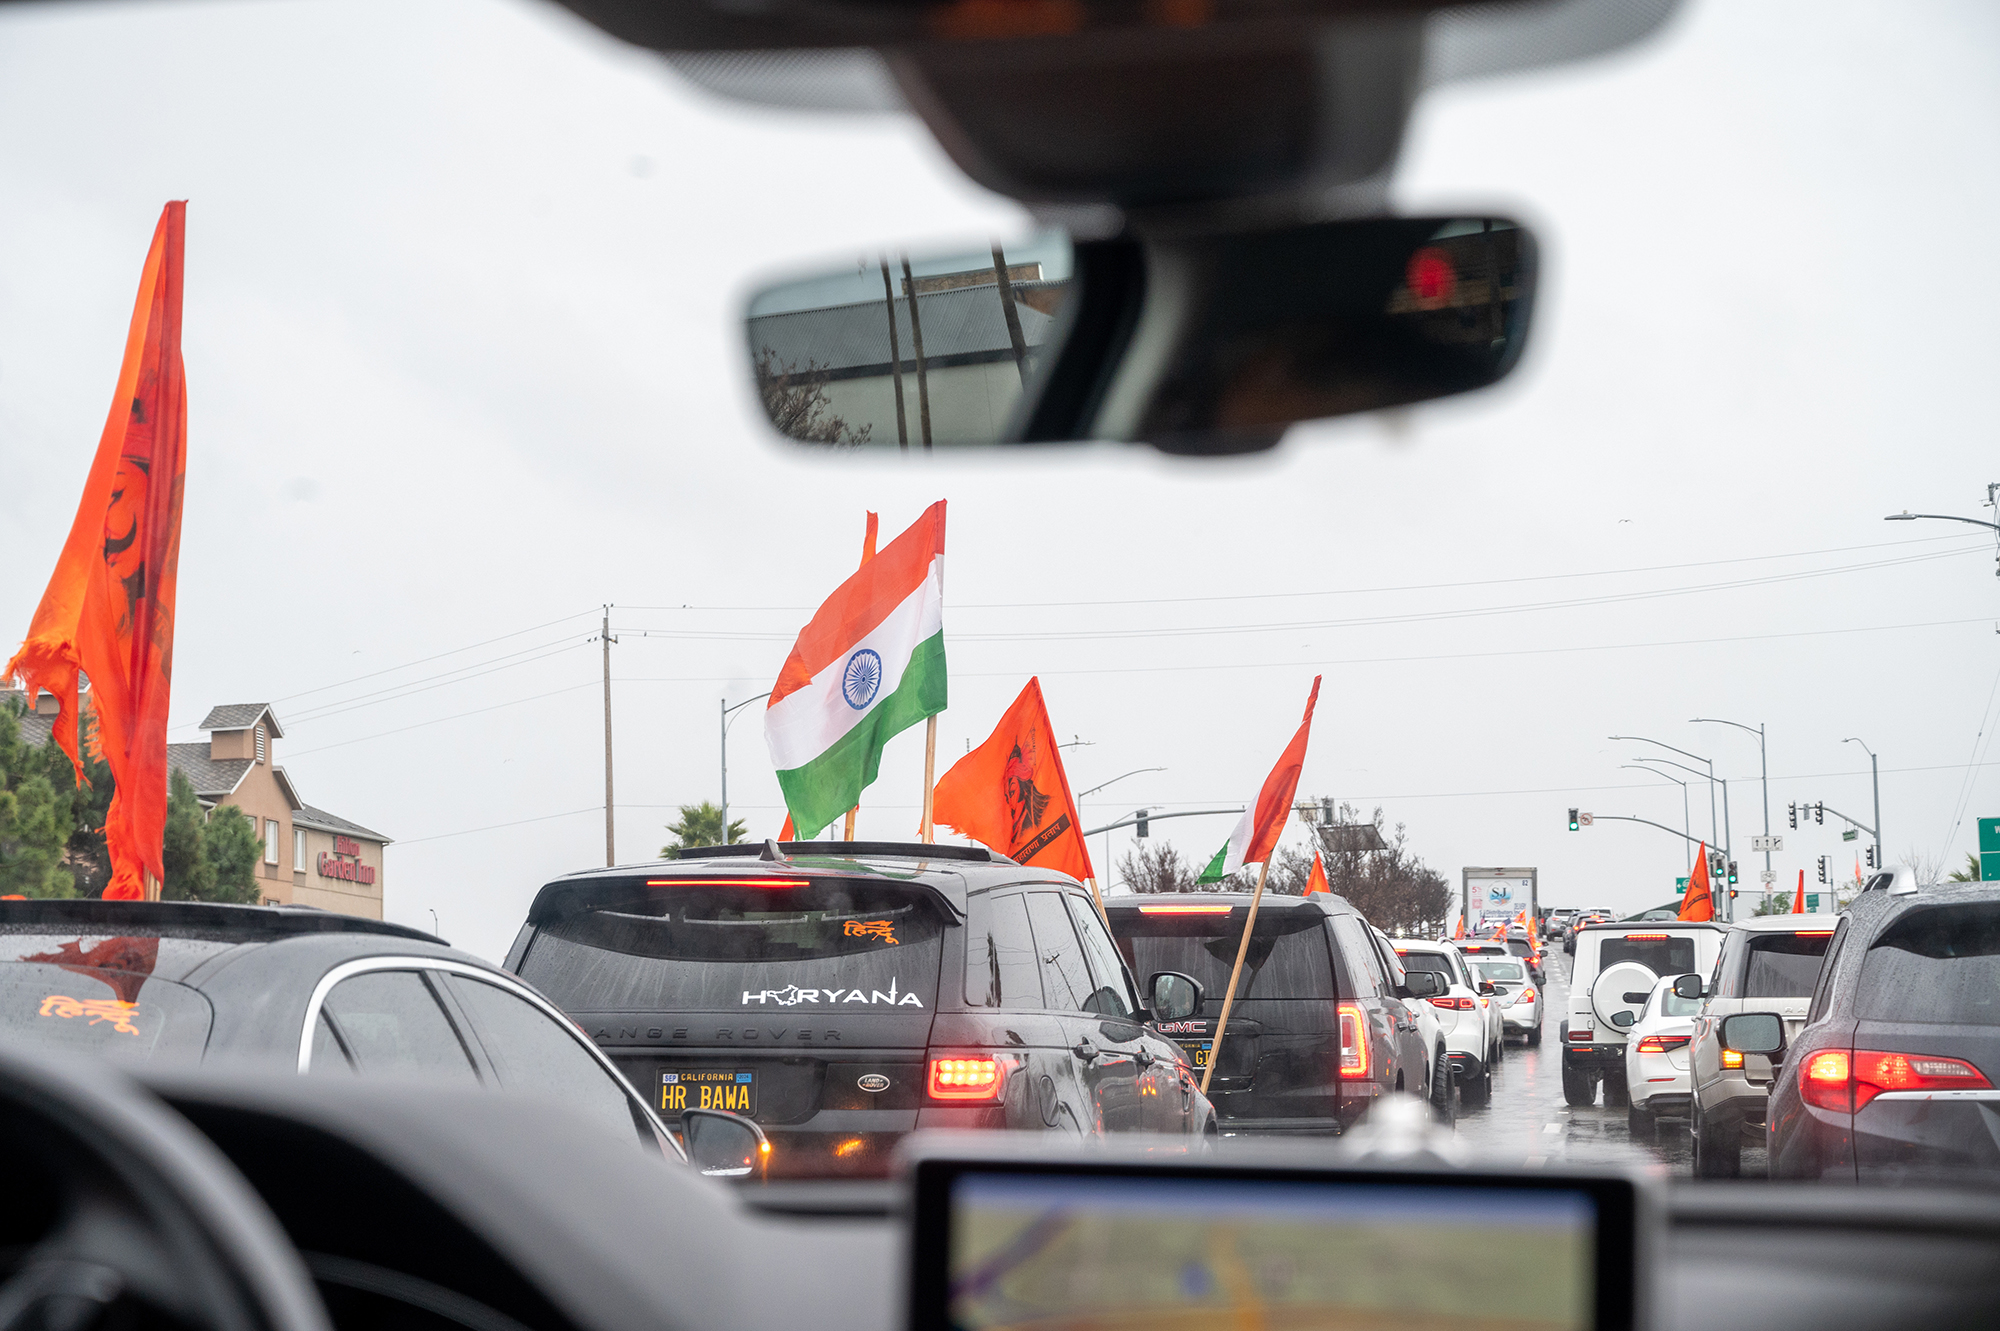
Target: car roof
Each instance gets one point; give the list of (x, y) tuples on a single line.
[(215, 920), (1650, 926), (951, 872), (1319, 901), (1785, 924)]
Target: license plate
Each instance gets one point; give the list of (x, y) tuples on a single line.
[(708, 1088), (1198, 1053)]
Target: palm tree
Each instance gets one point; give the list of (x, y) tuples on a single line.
[(1970, 873), (699, 825)]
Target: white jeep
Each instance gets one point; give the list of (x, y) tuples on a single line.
[(1615, 970)]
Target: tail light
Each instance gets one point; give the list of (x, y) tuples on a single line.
[(1835, 1080), (1660, 1044), (1582, 1035), (1353, 1043), (1527, 995), (965, 1079), (1454, 1004)]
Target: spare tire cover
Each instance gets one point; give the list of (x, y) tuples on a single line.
[(1607, 996)]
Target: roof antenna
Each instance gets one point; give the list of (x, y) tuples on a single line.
[(771, 851)]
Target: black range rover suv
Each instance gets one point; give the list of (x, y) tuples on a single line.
[(843, 994)]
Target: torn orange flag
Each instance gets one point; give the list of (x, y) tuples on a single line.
[(1012, 795), (1316, 881), (109, 608), (1799, 898), (1697, 904)]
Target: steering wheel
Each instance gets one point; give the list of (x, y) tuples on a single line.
[(116, 1211)]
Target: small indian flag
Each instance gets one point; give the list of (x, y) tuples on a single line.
[(1255, 835), (868, 666)]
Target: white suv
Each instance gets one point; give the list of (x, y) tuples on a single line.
[(1615, 970), (1471, 1021)]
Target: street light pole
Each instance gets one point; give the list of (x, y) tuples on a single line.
[(1875, 773), (1764, 766), (1709, 763), (726, 710), (1992, 502)]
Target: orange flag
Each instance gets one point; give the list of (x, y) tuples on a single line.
[(1799, 897), (1011, 794), (109, 608), (1316, 881), (1698, 904), (1458, 929)]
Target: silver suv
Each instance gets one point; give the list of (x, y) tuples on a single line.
[(1768, 964)]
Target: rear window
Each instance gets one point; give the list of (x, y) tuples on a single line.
[(1519, 947), (1428, 961), (1669, 955), (1783, 965), (1940, 964), (1287, 956), (98, 995), (1510, 972), (826, 944)]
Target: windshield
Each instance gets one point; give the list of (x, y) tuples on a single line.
[(494, 572)]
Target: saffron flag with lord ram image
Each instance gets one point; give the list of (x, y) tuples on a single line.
[(108, 613), (869, 666), (1012, 795)]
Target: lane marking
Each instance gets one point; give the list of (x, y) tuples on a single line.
[(1552, 1127)]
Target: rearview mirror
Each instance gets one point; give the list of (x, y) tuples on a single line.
[(724, 1145), (1173, 996), (1422, 984), (1198, 343), (1688, 986), (1753, 1033)]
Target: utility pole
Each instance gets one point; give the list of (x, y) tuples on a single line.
[(1011, 315), (726, 710), (1764, 766), (917, 348), (610, 826), (895, 361)]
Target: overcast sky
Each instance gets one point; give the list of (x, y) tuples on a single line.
[(463, 283)]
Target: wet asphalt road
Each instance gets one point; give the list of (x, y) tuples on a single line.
[(1528, 1122)]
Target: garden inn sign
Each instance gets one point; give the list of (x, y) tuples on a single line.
[(345, 862)]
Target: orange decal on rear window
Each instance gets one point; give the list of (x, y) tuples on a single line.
[(881, 929), (116, 1011)]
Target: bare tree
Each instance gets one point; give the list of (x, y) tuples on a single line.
[(796, 401), (1392, 887), (1159, 868)]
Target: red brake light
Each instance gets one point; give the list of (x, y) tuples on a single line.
[(1581, 1035), (965, 1079), (1455, 1004), (1833, 1080), (1527, 994), (1660, 1044), (1813, 933), (725, 882), (1353, 1043), (1645, 938), (1824, 1080), (1185, 910)]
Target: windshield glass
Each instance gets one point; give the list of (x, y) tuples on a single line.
[(562, 502)]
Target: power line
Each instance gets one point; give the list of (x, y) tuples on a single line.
[(1356, 591), (440, 720), (1369, 621), (403, 691)]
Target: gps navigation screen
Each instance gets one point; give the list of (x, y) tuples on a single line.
[(1161, 1254)]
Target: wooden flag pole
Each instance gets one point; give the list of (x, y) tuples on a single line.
[(1229, 999), (1098, 897), (153, 887), (850, 822), (930, 773)]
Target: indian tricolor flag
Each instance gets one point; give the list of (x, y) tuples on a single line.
[(1255, 836), (869, 665)]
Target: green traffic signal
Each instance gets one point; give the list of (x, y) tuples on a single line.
[(1573, 824)]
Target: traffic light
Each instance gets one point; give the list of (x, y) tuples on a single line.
[(1572, 820), (1819, 813), (1732, 875), (1717, 865), (1793, 811), (1822, 868), (1871, 858), (1141, 815)]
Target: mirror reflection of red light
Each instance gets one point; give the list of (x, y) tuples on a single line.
[(1430, 276)]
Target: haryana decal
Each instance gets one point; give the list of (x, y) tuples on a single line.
[(791, 996), (115, 1011)]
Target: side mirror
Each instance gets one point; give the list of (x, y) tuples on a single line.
[(1623, 1019), (1488, 987), (724, 1145), (1689, 986), (1173, 996), (1754, 1033), (1422, 984)]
